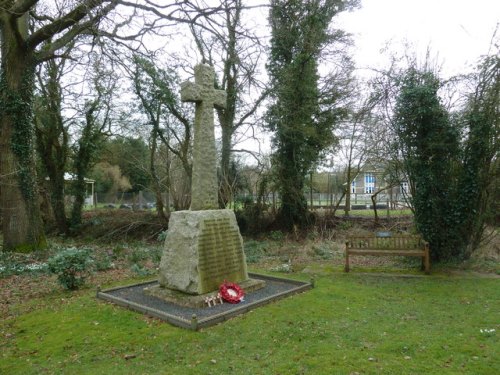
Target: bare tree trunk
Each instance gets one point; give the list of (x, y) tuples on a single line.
[(160, 209), (311, 189), (225, 172), (338, 203), (374, 201), (347, 191)]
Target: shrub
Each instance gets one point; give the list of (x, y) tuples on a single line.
[(323, 251), (156, 253), (103, 262), (254, 251), (118, 251), (71, 266), (344, 225), (137, 255), (277, 235), (162, 236), (141, 270)]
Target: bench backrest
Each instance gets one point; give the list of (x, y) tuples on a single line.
[(386, 243)]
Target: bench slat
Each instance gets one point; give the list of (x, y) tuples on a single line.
[(384, 243), (387, 252)]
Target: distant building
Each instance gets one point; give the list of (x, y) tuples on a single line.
[(370, 179), (90, 184)]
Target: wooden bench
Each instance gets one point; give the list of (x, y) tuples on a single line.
[(385, 244)]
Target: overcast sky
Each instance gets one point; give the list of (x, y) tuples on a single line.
[(457, 31)]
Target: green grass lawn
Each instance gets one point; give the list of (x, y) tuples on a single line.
[(349, 324)]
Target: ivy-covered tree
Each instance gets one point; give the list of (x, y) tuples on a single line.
[(428, 144), (52, 137), (94, 131), (478, 188), (24, 45), (302, 130), (452, 165)]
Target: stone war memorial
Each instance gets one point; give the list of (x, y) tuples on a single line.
[(203, 247), (203, 252)]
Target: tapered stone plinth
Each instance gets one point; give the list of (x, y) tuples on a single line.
[(202, 250)]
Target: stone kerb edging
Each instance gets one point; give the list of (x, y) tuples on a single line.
[(196, 323)]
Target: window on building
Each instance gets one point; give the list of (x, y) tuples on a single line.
[(369, 183), (353, 187), (404, 187)]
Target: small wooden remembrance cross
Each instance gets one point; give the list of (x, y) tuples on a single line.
[(204, 186)]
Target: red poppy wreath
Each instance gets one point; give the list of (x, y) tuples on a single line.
[(231, 292)]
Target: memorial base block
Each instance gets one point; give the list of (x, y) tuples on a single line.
[(202, 250), (196, 301)]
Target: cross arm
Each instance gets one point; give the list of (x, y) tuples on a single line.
[(220, 98), (190, 92)]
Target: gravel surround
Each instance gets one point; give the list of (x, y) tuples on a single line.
[(134, 298)]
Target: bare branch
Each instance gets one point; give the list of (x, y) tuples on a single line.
[(252, 110), (20, 7), (70, 19)]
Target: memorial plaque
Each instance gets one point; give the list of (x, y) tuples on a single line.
[(220, 254)]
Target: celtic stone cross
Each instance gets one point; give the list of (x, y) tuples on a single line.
[(204, 184)]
